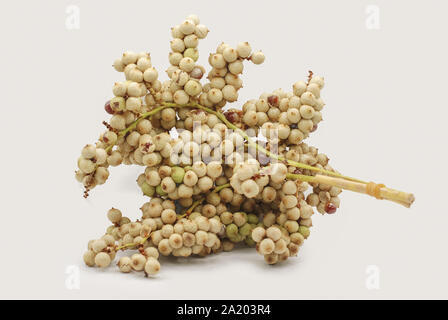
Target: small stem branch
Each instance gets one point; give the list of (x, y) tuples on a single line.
[(330, 177), (230, 125), (131, 245), (400, 197), (134, 124), (193, 206), (219, 188), (198, 202)]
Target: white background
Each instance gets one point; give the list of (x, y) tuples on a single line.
[(385, 120)]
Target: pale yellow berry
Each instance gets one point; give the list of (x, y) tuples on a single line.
[(258, 57), (152, 266), (138, 261), (89, 258), (266, 246), (102, 260), (125, 264), (258, 234)]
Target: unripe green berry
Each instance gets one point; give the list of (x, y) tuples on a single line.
[(252, 218), (245, 229), (304, 231), (177, 174), (231, 230), (147, 189), (160, 191), (226, 217)]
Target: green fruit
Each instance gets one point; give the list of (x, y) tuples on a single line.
[(147, 189), (304, 231), (249, 241), (231, 230), (236, 238), (160, 191), (252, 218), (227, 217), (177, 174), (245, 230)]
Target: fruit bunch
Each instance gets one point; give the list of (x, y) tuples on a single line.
[(216, 176)]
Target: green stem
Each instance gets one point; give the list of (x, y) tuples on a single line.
[(134, 124), (198, 202), (130, 245), (219, 188), (302, 177), (230, 125), (257, 146), (193, 206)]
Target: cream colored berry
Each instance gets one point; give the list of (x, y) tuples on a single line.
[(102, 260), (250, 188), (289, 201), (181, 97), (164, 247), (258, 234), (229, 93), (299, 88), (271, 258), (175, 241), (150, 75), (293, 213), (138, 261), (89, 258), (168, 216), (306, 112), (99, 245), (186, 64), (119, 65), (217, 61), (257, 57), (177, 45), (193, 88), (236, 67), (129, 57), (125, 264), (230, 54), (266, 246), (114, 215), (187, 27), (152, 266), (273, 233), (243, 49), (291, 226), (201, 237), (201, 31)]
